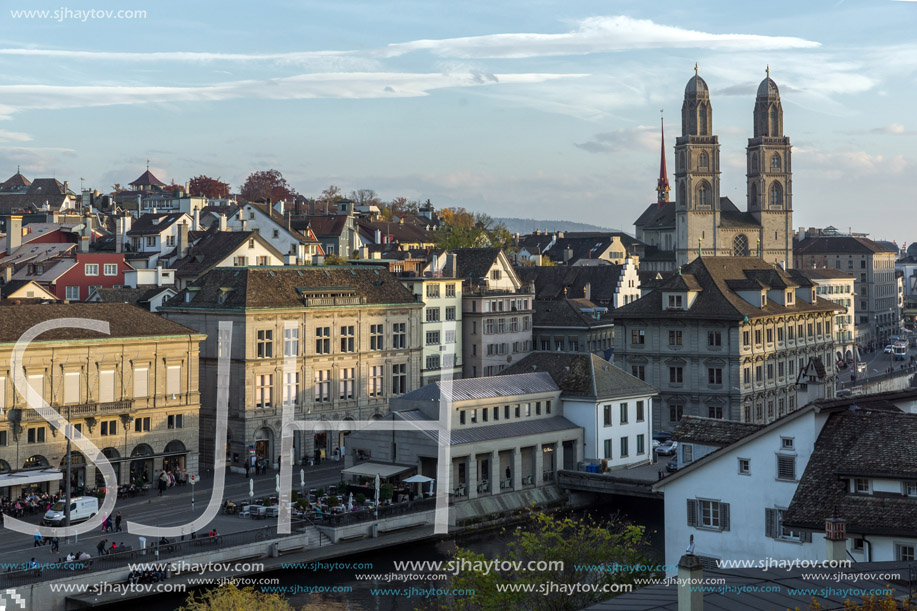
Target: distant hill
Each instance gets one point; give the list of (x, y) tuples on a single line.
[(524, 226)]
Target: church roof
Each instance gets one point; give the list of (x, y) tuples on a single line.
[(657, 217), (696, 87), (147, 179), (737, 219), (16, 180), (768, 89)]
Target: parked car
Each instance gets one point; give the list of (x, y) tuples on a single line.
[(888, 349), (667, 448), (672, 465)]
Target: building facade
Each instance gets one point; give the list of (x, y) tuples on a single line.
[(133, 393), (725, 339), (332, 344), (873, 267)]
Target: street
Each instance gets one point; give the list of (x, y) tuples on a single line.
[(171, 509)]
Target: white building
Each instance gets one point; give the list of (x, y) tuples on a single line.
[(837, 286), (613, 407), (768, 494), (298, 247)]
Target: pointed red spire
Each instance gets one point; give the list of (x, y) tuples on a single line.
[(662, 185)]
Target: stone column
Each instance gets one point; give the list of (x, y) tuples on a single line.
[(472, 471), (559, 456), (517, 468), (495, 476), (539, 465)]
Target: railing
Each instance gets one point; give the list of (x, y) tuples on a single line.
[(333, 301), (548, 476), (76, 411), (897, 372), (368, 515), (154, 553)]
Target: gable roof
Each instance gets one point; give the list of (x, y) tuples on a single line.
[(147, 179), (9, 290), (139, 296), (840, 244), (550, 281), (568, 313), (474, 263), (865, 444), (718, 279), (326, 226), (582, 375), (154, 224), (657, 217), (280, 220), (213, 247), (712, 431), (282, 287), (15, 181)]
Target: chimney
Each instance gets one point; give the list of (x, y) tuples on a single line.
[(222, 221), (196, 220), (289, 259), (835, 538), (378, 236), (288, 220), (6, 274), (449, 267), (13, 233), (158, 273), (690, 571), (66, 187), (364, 252), (568, 254), (587, 291), (84, 244), (182, 240)]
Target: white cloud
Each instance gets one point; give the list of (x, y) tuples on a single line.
[(625, 140), (347, 85), (8, 136), (595, 35), (892, 129)]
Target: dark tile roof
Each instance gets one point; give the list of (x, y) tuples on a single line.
[(302, 236), (17, 180), (582, 375), (279, 287), (840, 244), (123, 321), (859, 443), (550, 281), (468, 389), (821, 273), (536, 243), (712, 431), (149, 224), (41, 191), (568, 313), (738, 220), (147, 179), (657, 217), (474, 263), (212, 248), (139, 296), (719, 277), (322, 226), (589, 245), (400, 232), (654, 254)]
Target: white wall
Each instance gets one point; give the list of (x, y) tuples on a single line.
[(590, 416)]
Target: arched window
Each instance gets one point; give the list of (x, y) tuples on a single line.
[(753, 195), (682, 194), (776, 195), (773, 126), (703, 160), (754, 162), (703, 194), (740, 245), (681, 160), (775, 162), (702, 119)]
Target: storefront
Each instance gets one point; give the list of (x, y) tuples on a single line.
[(174, 456), (141, 466)]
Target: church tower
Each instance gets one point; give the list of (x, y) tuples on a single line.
[(662, 185), (770, 176), (697, 175)]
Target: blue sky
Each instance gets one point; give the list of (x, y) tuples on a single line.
[(531, 109)]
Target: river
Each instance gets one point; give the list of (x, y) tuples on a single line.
[(492, 544)]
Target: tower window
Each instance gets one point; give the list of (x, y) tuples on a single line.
[(776, 195), (773, 126), (702, 119), (740, 246), (775, 162), (703, 160), (703, 194)]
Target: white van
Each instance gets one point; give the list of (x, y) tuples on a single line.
[(81, 508)]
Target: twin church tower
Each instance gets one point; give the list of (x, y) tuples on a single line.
[(701, 220)]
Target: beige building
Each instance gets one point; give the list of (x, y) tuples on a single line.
[(133, 393), (496, 312), (839, 287), (701, 221), (331, 343), (726, 339), (873, 267)]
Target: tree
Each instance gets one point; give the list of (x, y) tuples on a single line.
[(571, 543), (365, 197), (230, 598), (208, 187), (462, 229), (267, 185)]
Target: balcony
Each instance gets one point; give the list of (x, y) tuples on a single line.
[(76, 411)]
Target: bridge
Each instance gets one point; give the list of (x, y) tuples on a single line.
[(635, 482)]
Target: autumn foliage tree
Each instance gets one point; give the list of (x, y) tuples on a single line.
[(208, 187), (267, 185), (228, 597), (463, 229)]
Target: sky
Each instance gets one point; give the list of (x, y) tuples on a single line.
[(534, 109)]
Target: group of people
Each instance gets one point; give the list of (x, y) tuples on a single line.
[(148, 575), (169, 478), (261, 466), (109, 525), (104, 549), (29, 503)]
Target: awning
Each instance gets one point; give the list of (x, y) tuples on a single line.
[(372, 469), (24, 478)]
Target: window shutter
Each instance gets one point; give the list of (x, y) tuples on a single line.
[(786, 467), (805, 536), (724, 516), (692, 512), (770, 522)]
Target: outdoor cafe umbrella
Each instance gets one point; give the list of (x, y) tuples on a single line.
[(377, 489), (350, 502), (419, 479)]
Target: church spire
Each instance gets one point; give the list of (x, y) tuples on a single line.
[(662, 185)]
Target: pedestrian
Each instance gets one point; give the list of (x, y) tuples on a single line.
[(106, 526), (163, 482), (508, 473), (39, 540), (248, 468), (55, 545), (118, 522), (101, 547)]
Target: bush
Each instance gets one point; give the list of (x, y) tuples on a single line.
[(342, 487), (360, 498), (386, 492), (333, 501), (320, 492)]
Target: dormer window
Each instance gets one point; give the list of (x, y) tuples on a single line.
[(909, 488), (763, 299), (861, 485), (676, 302), (789, 297)]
